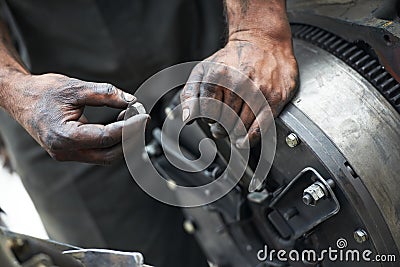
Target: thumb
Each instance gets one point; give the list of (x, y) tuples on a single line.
[(105, 94)]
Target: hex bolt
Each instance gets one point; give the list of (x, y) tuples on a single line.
[(189, 226), (292, 140), (360, 235), (314, 193)]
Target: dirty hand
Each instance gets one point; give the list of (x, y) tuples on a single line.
[(50, 107), (263, 54), (274, 73)]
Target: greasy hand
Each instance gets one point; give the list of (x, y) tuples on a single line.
[(271, 66), (50, 107)]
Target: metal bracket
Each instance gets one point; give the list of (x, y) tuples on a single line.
[(293, 218)]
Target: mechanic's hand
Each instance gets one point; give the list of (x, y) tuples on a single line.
[(50, 107), (271, 66)]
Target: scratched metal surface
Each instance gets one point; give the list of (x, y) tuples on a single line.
[(356, 117)]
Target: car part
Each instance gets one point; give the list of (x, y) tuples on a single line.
[(17, 250), (335, 178)]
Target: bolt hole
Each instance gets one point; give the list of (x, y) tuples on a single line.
[(387, 39)]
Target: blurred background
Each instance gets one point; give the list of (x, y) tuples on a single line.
[(20, 213)]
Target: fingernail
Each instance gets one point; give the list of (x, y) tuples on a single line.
[(185, 114), (128, 97), (121, 116), (217, 131), (243, 142)]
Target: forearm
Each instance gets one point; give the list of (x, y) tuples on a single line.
[(265, 21), (10, 67)]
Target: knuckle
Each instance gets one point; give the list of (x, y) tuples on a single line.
[(105, 89), (208, 89), (106, 140), (213, 76), (59, 139), (189, 91), (197, 73), (53, 142), (109, 89), (275, 96)]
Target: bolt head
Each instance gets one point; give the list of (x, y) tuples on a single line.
[(360, 235), (292, 140), (313, 193), (189, 226)]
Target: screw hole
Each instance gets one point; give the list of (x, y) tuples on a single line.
[(387, 39)]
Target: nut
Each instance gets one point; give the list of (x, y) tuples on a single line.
[(313, 193), (360, 235), (292, 140)]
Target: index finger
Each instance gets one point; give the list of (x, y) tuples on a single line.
[(190, 94), (104, 94), (86, 136)]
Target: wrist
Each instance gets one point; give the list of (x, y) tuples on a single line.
[(11, 89), (261, 22)]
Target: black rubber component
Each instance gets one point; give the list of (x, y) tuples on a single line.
[(355, 55)]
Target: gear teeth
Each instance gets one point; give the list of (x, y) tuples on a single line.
[(381, 77), (317, 36), (356, 56), (375, 71), (349, 51), (392, 92), (329, 41), (396, 99), (389, 82), (323, 38), (312, 33), (368, 66), (362, 61), (341, 48), (303, 33), (335, 44)]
